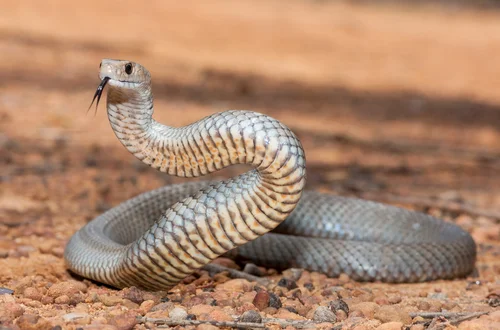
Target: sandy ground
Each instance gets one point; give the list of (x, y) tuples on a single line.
[(389, 102)]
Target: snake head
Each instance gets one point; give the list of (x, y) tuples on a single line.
[(120, 73), (123, 73)]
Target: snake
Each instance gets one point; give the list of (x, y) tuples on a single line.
[(265, 216)]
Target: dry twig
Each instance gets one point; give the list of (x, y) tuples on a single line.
[(449, 318), (215, 268), (166, 322)]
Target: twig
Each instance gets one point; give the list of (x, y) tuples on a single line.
[(437, 203), (215, 268), (467, 317), (163, 323), (448, 315), (434, 325), (233, 324)]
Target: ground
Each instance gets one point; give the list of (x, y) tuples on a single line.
[(393, 103)]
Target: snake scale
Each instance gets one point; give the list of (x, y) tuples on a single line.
[(156, 239)]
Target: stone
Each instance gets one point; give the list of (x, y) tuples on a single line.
[(390, 326), (201, 309), (68, 288), (178, 314), (338, 304), (110, 300), (251, 316), (367, 308), (62, 300), (32, 322), (287, 283), (9, 311), (274, 301), (390, 313), (207, 327), (261, 300), (423, 305), (146, 306), (324, 314), (236, 285), (286, 314), (219, 315), (32, 293), (396, 299), (133, 294), (78, 318), (124, 321), (6, 291)]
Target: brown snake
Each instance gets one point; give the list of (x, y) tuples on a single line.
[(156, 239)]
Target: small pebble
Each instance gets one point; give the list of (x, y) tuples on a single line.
[(395, 299), (125, 321), (164, 306), (367, 308), (344, 278), (287, 283), (219, 315), (324, 314), (207, 327), (262, 299), (449, 305), (110, 300), (9, 311), (133, 294), (341, 315), (390, 313), (66, 288), (30, 321), (286, 314), (423, 305), (338, 304), (201, 309), (309, 286), (6, 291), (251, 316), (390, 326), (62, 300), (274, 301), (32, 293), (235, 285), (178, 314), (146, 306), (293, 273), (78, 318)]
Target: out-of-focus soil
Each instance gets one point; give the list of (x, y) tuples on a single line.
[(388, 101)]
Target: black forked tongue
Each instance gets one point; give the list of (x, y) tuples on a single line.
[(98, 93)]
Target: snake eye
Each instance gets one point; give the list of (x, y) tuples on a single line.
[(128, 68)]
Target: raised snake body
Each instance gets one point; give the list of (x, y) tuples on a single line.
[(156, 239)]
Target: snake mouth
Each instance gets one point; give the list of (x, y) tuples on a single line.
[(98, 92)]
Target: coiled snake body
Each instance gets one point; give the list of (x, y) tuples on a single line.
[(156, 239)]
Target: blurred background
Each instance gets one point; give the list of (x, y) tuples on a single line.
[(390, 98)]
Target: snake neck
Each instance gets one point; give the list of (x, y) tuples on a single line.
[(130, 113), (215, 142)]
